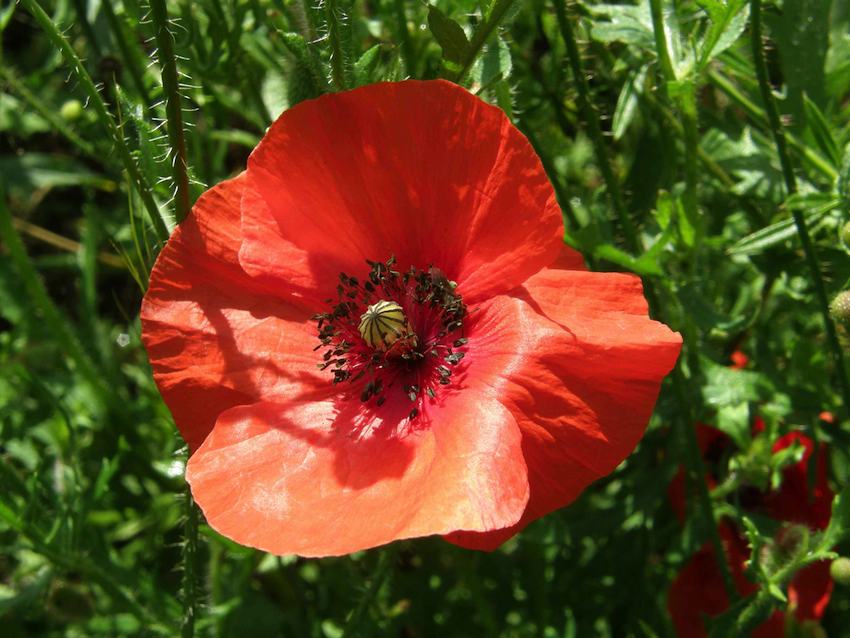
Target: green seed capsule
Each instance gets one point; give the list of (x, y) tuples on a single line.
[(383, 324), (840, 307), (840, 570)]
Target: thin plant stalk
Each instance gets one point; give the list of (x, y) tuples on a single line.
[(338, 62), (482, 35), (104, 117), (408, 53), (799, 220), (131, 57), (591, 120), (190, 560), (382, 571), (812, 157), (686, 101), (173, 108)]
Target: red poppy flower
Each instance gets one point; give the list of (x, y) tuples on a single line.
[(375, 332), (739, 360), (698, 591)]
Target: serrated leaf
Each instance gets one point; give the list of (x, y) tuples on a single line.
[(839, 522), (449, 35), (726, 386), (728, 22), (365, 65)]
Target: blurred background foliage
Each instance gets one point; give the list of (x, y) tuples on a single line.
[(114, 116)]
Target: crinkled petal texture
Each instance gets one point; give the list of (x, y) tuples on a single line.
[(562, 367), (585, 385), (215, 337), (423, 170)]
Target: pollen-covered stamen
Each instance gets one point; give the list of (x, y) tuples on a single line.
[(394, 332)]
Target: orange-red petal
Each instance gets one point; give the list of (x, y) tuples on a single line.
[(585, 382), (215, 337), (422, 170), (295, 479)]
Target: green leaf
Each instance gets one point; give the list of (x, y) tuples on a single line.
[(726, 386), (728, 22), (365, 65), (307, 76), (494, 65), (449, 35), (613, 254), (627, 102), (820, 128), (34, 171), (839, 522), (769, 236), (625, 23), (734, 420)]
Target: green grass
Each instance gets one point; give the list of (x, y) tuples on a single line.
[(714, 164)]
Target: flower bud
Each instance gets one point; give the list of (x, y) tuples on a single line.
[(840, 570), (840, 307), (71, 110)]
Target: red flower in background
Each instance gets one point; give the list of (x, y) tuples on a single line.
[(698, 590), (376, 333)]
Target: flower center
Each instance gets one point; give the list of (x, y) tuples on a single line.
[(394, 332)]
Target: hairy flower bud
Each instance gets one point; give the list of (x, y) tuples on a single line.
[(840, 307)]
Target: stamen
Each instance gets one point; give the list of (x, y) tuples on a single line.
[(403, 332)]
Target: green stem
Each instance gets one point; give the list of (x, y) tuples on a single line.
[(173, 110), (815, 161), (408, 53), (385, 562), (591, 120), (82, 15), (37, 293), (103, 115), (131, 56), (482, 34), (190, 559), (686, 100), (707, 161), (338, 61), (799, 219)]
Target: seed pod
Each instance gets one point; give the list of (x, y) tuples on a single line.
[(840, 307), (840, 570), (383, 324)]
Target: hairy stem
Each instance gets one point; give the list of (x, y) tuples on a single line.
[(173, 108), (482, 34), (591, 121), (799, 220), (104, 117)]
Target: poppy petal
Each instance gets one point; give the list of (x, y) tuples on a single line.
[(585, 387), (422, 170), (281, 478), (215, 337)]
